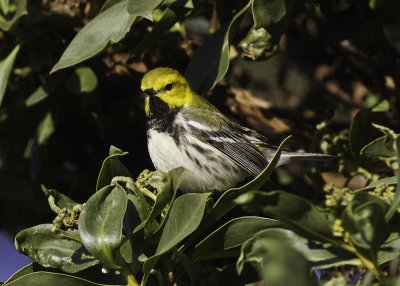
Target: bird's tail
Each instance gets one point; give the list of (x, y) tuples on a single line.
[(287, 157)]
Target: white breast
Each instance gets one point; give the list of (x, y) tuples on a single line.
[(207, 171)]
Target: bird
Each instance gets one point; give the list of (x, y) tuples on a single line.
[(185, 130)]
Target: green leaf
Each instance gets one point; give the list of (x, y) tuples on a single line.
[(6, 66), (57, 201), (163, 184), (210, 62), (45, 129), (42, 92), (135, 212), (390, 249), (112, 167), (380, 147), (364, 219), (110, 26), (100, 224), (166, 186), (296, 212), (279, 264), (361, 133), (321, 255), (143, 8), (30, 268), (385, 181), (166, 22), (50, 279), (51, 250), (185, 216), (8, 24), (82, 80), (226, 240), (396, 201), (271, 19)]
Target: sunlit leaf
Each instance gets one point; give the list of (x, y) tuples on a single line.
[(112, 167), (50, 250), (57, 201), (108, 27), (163, 184), (143, 8), (7, 24), (46, 129), (100, 224), (82, 80), (384, 181), (271, 19), (185, 216), (6, 66)]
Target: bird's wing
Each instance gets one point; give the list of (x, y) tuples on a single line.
[(216, 130)]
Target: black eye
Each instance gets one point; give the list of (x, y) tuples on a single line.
[(168, 87)]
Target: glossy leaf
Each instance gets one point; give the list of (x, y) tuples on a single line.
[(50, 250), (112, 167), (82, 80), (48, 279), (108, 27), (57, 201), (143, 8), (6, 66), (185, 216), (210, 62), (100, 224), (271, 19), (226, 240), (8, 24), (293, 210), (279, 263)]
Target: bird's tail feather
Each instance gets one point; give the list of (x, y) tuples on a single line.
[(287, 157)]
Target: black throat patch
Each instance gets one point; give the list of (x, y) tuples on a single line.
[(162, 117)]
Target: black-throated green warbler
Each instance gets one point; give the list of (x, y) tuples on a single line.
[(184, 130)]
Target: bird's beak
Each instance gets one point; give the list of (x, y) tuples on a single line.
[(150, 92)]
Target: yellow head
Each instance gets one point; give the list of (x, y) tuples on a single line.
[(167, 85)]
